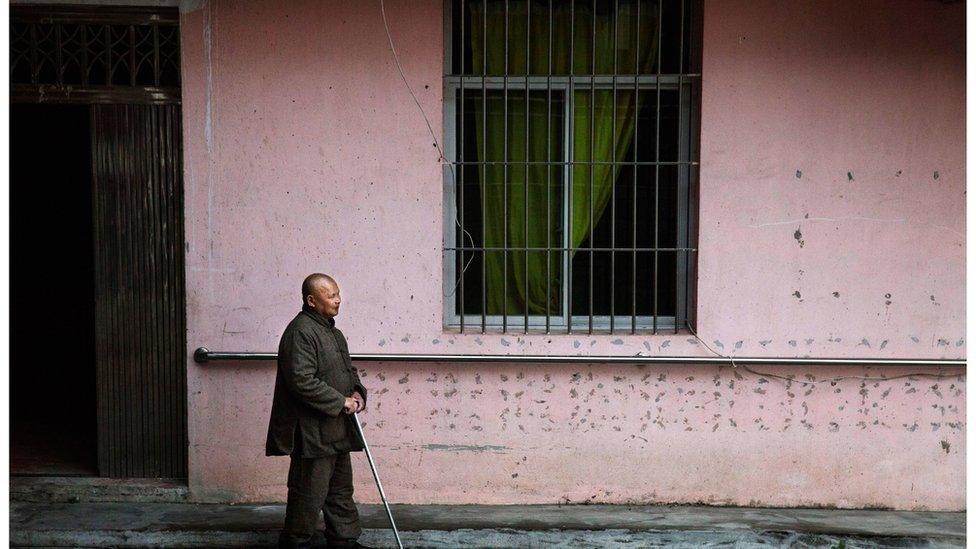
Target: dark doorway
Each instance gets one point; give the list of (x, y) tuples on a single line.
[(52, 343), (98, 316)]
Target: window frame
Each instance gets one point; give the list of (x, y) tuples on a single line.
[(686, 193)]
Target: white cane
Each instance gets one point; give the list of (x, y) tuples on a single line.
[(372, 466)]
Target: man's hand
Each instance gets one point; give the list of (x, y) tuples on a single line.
[(359, 399), (351, 406)]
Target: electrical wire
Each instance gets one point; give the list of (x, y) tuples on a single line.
[(441, 158), (731, 359)]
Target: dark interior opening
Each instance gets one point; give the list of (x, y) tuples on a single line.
[(52, 318)]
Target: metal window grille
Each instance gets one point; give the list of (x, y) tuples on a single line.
[(571, 133), (92, 54)]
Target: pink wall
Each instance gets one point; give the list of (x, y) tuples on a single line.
[(304, 152)]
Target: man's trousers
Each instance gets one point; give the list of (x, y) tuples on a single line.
[(320, 484)]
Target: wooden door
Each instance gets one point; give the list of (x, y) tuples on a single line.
[(139, 290)]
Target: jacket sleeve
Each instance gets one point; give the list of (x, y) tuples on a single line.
[(358, 385), (298, 367)]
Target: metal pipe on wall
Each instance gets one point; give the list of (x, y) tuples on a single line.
[(203, 355)]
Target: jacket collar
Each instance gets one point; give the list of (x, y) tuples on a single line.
[(318, 317)]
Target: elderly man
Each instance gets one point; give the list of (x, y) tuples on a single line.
[(317, 387)]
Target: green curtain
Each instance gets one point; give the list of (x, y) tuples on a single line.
[(528, 192)]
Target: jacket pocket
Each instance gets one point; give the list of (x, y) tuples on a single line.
[(333, 429)]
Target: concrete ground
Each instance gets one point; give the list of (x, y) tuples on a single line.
[(161, 523)]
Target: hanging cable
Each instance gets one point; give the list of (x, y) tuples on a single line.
[(441, 158), (830, 380)]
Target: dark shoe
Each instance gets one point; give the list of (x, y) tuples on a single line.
[(317, 541), (348, 545)]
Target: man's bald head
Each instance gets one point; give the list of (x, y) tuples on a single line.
[(313, 281)]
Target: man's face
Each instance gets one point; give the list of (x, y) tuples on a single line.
[(325, 299)]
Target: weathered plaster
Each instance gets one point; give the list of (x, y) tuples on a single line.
[(824, 232), (833, 177)]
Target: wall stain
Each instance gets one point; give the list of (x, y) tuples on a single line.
[(596, 402)]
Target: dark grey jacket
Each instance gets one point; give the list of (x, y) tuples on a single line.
[(315, 375)]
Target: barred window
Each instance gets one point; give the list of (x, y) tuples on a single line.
[(571, 129)]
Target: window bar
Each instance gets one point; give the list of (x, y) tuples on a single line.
[(582, 162), (83, 34), (109, 70), (633, 266), (505, 184), (484, 165), (58, 56), (525, 183), (613, 174), (569, 248), (132, 55), (681, 168), (694, 147), (461, 168), (657, 151), (592, 136), (571, 152), (549, 169), (35, 68), (155, 31)]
